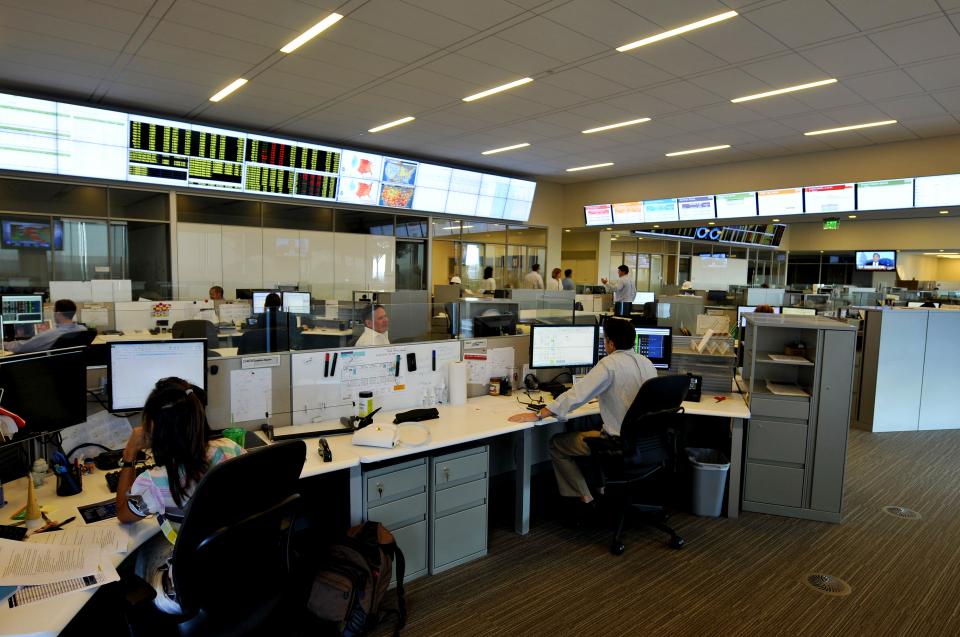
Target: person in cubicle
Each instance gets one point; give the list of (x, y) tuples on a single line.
[(554, 282), (624, 290), (63, 312), (375, 326), (615, 380), (216, 293), (174, 428), (567, 282)]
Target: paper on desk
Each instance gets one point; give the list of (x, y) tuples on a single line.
[(23, 563), (500, 360), (109, 538), (251, 391), (478, 368), (29, 594)]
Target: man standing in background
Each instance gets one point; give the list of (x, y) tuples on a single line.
[(533, 280), (624, 290), (568, 283)]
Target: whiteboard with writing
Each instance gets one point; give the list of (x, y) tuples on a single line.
[(325, 384)]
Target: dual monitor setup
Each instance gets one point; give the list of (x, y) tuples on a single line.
[(49, 390), (582, 345), (292, 302)]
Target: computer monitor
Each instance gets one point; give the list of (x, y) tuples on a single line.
[(717, 297), (259, 297), (747, 309), (49, 390), (296, 302), (643, 297), (134, 367), (798, 311), (562, 346), (20, 309), (656, 343), (495, 325)]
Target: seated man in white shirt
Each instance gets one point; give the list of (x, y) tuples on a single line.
[(63, 312), (616, 379), (376, 323)]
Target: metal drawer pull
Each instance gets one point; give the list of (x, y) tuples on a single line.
[(446, 473), (380, 488)]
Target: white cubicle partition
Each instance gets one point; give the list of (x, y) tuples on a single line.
[(909, 370)]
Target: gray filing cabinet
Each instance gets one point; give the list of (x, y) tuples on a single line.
[(796, 445), (458, 507), (396, 496)]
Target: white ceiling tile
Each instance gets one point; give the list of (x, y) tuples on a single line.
[(156, 51), (921, 41), (801, 22), (65, 49), (550, 95), (298, 16), (848, 57), (888, 134), (628, 71), (878, 86), (508, 56), (785, 70), (668, 14), (935, 126), (228, 23), (80, 12), (203, 42), (297, 70), (777, 107), (809, 122), (478, 15), (911, 107), (950, 100), (64, 28), (677, 56), (17, 74), (480, 75), (553, 40), (878, 13), (858, 114), (453, 87), (829, 96), (127, 95), (583, 83), (601, 20), (769, 130), (685, 95), (803, 144), (689, 122), (377, 41), (730, 114), (936, 75), (398, 90), (325, 55), (731, 83), (642, 105), (737, 40), (412, 22)]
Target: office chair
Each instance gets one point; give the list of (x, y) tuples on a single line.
[(260, 341), (641, 454), (231, 564), (77, 338), (197, 328)]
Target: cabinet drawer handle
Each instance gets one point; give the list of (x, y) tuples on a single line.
[(446, 473), (380, 488)]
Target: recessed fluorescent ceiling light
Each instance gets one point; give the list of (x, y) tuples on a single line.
[(885, 122), (944, 212), (498, 89), (396, 122), (311, 33), (618, 125), (573, 170), (230, 88), (678, 31), (781, 91), (494, 151), (698, 150)]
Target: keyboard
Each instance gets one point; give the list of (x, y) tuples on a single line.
[(113, 477)]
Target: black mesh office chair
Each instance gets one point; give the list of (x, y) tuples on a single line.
[(641, 454), (197, 328), (232, 560), (77, 338)]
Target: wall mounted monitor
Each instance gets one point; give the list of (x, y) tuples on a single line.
[(832, 198), (563, 346), (885, 195), (877, 260), (629, 212), (39, 235), (134, 367), (20, 309), (660, 211), (296, 302), (784, 201), (938, 190), (598, 215), (736, 204), (49, 390), (696, 208)]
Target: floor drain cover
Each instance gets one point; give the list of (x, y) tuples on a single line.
[(827, 584), (902, 512)]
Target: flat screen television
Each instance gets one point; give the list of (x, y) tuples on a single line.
[(877, 260), (38, 235)]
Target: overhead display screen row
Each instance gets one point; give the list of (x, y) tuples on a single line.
[(79, 141), (885, 194)]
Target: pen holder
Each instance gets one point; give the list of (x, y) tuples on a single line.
[(70, 482)]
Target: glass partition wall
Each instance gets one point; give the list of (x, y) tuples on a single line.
[(465, 249)]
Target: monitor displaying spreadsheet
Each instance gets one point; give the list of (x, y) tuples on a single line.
[(296, 302), (563, 346), (19, 309), (134, 367)]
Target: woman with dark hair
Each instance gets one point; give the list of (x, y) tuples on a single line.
[(489, 283), (175, 429)]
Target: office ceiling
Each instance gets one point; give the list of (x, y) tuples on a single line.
[(894, 59)]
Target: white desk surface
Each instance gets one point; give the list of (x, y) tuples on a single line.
[(480, 418), (326, 331)]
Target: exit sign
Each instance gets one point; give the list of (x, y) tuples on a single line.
[(831, 224)]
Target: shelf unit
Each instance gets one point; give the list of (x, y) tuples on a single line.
[(797, 445)]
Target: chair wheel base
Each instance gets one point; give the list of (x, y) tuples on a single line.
[(617, 548), (676, 542)]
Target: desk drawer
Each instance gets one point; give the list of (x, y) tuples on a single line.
[(412, 540), (461, 467), (390, 484), (400, 513), (459, 536), (773, 485), (776, 441), (460, 497), (779, 407)]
